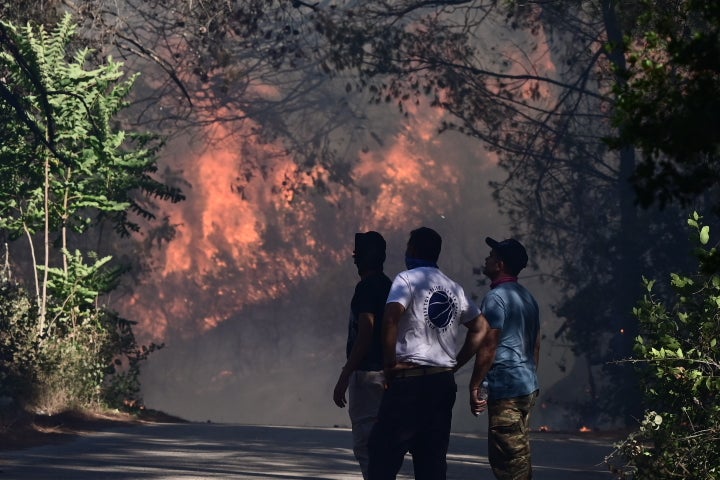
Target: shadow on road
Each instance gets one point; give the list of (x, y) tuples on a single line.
[(205, 451)]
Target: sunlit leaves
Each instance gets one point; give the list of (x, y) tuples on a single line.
[(680, 362), (93, 167), (705, 235)]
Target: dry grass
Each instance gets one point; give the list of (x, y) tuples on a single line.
[(20, 429)]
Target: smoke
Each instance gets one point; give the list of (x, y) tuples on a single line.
[(251, 295)]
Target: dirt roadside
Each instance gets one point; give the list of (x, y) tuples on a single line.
[(24, 430)]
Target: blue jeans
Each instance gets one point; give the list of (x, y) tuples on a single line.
[(415, 416)]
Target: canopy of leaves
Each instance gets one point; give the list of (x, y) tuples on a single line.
[(57, 108), (670, 106)]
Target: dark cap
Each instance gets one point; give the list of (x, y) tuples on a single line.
[(511, 252), (369, 249)]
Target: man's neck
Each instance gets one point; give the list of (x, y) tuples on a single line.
[(502, 278), (367, 273)]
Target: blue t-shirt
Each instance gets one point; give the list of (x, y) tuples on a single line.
[(511, 308)]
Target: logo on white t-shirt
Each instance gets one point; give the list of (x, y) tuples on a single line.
[(440, 309)]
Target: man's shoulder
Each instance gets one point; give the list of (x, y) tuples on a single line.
[(510, 286), (510, 292), (526, 291), (377, 280), (427, 276), (441, 278)]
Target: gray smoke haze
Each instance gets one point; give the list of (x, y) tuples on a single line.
[(251, 295), (279, 310)]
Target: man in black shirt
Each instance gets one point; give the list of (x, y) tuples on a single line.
[(363, 370)]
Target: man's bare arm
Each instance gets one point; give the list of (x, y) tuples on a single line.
[(483, 361), (485, 357), (358, 352), (391, 319), (477, 329)]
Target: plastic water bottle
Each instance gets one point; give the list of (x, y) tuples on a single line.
[(483, 394)]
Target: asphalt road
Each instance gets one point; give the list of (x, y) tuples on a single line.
[(208, 451)]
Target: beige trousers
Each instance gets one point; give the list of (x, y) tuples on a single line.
[(365, 391)]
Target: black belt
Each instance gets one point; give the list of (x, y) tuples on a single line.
[(419, 371)]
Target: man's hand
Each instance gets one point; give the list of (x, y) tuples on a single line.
[(477, 405), (340, 388), (391, 370)]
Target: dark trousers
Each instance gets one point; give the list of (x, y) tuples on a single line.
[(415, 416)]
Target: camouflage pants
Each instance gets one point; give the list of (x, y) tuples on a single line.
[(508, 437)]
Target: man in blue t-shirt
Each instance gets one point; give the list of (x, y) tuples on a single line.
[(508, 359)]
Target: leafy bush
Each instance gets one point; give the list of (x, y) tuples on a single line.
[(95, 362), (121, 386), (18, 342), (678, 358)]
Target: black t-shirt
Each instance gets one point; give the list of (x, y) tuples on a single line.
[(370, 295)]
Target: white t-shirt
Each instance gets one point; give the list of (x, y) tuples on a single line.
[(435, 307)]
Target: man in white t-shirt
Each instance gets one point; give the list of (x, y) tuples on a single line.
[(421, 329)]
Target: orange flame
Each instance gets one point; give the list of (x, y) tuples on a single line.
[(244, 238)]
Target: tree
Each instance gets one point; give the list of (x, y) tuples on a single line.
[(669, 106), (66, 168), (63, 162)]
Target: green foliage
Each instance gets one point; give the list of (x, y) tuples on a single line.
[(77, 288), (679, 361), (86, 355), (62, 111), (18, 342), (97, 363), (66, 166), (670, 105)]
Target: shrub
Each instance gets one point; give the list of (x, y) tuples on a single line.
[(18, 342), (88, 358), (678, 358)]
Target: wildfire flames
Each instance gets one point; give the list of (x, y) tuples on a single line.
[(546, 428), (243, 238)]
